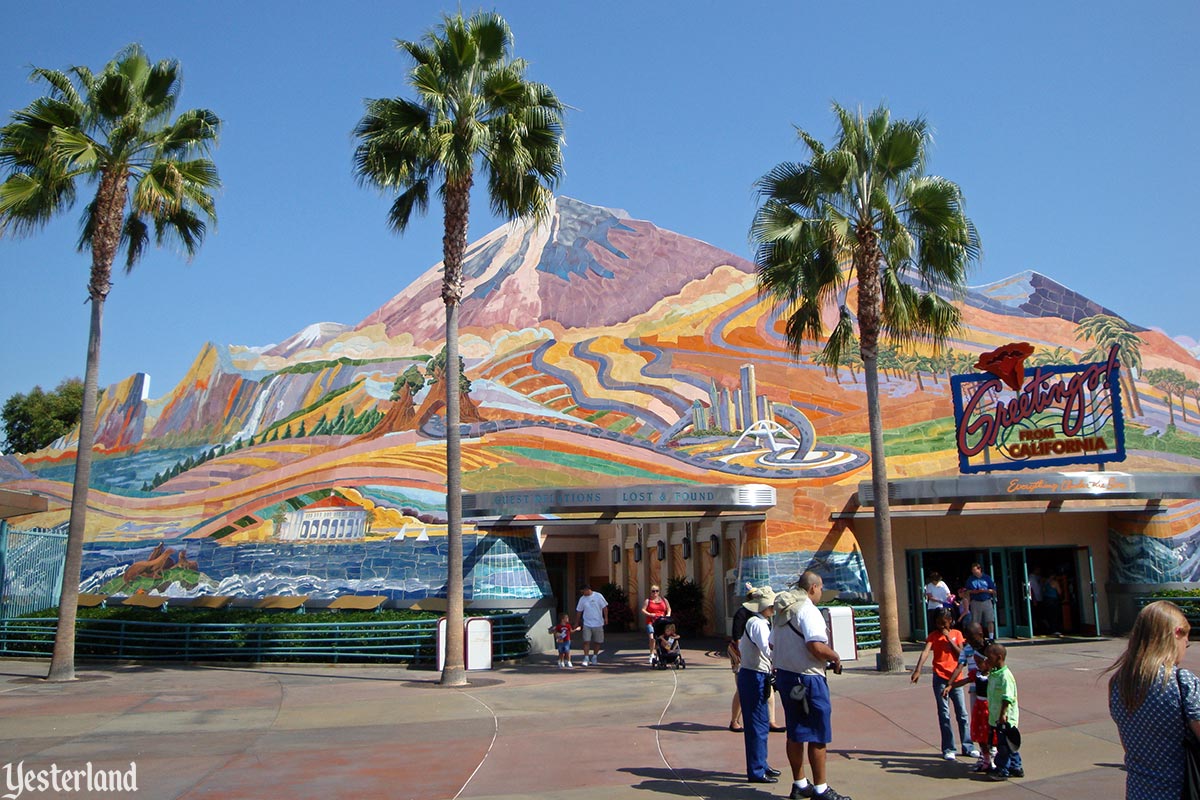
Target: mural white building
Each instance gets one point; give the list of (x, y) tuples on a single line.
[(333, 518)]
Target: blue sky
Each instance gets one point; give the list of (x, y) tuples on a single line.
[(1070, 127)]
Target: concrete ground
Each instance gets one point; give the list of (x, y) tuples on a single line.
[(528, 729)]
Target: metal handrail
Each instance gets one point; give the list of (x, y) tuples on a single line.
[(387, 641)]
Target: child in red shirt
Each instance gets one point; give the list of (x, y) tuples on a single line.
[(562, 641), (946, 644)]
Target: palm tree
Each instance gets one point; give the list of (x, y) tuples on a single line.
[(112, 128), (474, 110), (864, 211), (1107, 331)]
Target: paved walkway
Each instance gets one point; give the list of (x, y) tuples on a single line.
[(618, 730)]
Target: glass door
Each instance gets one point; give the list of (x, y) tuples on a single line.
[(917, 622), (1018, 593), (1089, 615), (996, 564)]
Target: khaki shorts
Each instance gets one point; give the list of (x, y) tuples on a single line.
[(593, 634)]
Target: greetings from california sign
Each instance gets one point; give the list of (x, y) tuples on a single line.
[(601, 351), (1063, 414)]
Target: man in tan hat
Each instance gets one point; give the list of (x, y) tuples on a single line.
[(753, 683), (801, 656)]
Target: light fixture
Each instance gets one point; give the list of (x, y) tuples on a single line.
[(616, 554), (637, 551), (662, 550), (687, 548), (714, 546)]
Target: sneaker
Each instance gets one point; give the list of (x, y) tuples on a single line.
[(1017, 773), (830, 794), (652, 660), (972, 752), (797, 793), (595, 659), (570, 665), (561, 665), (949, 755), (584, 662), (998, 775), (981, 766)]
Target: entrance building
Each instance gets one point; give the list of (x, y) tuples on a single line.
[(634, 537), (1055, 525)]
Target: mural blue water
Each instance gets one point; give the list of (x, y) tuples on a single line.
[(495, 567)]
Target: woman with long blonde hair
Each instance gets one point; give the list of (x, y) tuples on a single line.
[(1149, 694)]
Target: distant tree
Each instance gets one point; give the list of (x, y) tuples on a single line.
[(301, 433), (34, 420), (1187, 388)]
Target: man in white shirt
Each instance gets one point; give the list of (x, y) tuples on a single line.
[(801, 653), (592, 610)]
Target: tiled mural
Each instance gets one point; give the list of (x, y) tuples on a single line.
[(600, 350)]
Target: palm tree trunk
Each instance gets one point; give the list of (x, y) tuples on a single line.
[(870, 305), (62, 661), (454, 245), (890, 657), (1170, 409), (106, 238)]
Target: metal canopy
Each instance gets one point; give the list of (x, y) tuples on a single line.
[(680, 498), (17, 504), (1056, 486)]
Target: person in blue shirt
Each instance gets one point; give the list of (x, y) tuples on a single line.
[(982, 590)]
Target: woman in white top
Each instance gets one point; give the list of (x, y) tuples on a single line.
[(753, 685), (936, 595)]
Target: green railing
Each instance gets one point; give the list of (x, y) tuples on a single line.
[(1188, 603), (412, 641), (866, 627)]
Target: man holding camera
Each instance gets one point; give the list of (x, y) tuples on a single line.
[(801, 655)]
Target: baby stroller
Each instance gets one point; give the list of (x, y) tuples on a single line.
[(666, 656)]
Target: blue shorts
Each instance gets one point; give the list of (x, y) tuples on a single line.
[(564, 648), (805, 725)]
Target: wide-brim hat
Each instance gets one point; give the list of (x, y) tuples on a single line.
[(787, 601), (1011, 735), (759, 600)]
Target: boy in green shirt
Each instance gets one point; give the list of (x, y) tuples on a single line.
[(1003, 714)]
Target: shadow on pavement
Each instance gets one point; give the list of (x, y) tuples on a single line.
[(694, 782), (927, 766)]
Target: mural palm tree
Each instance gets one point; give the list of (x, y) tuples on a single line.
[(153, 178), (1056, 355), (864, 211), (1169, 382), (1106, 331), (474, 110)]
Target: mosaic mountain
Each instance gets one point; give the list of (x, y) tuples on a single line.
[(600, 350)]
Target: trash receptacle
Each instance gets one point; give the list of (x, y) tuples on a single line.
[(840, 621)]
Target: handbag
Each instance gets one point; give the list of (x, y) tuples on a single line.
[(1191, 752)]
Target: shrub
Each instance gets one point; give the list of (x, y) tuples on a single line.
[(687, 606), (620, 616)]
